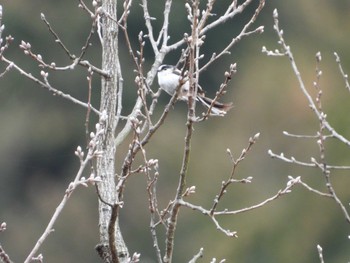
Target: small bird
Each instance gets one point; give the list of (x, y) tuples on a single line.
[(169, 79)]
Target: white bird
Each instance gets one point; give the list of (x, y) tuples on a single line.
[(169, 79)]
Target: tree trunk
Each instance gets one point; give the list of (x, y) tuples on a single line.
[(105, 165)]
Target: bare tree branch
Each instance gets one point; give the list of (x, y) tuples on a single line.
[(47, 85), (320, 253), (316, 106), (345, 76), (79, 180), (4, 257), (76, 59), (197, 256), (286, 51), (140, 123)]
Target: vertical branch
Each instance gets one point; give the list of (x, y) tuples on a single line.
[(148, 23), (88, 111), (110, 243), (159, 56), (166, 22), (193, 81), (320, 253), (153, 207), (1, 26)]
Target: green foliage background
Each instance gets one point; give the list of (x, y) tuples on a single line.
[(39, 133)]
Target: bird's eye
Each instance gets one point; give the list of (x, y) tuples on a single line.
[(163, 67)]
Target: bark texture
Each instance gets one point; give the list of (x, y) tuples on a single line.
[(106, 164)]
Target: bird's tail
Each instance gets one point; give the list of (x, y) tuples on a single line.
[(216, 108)]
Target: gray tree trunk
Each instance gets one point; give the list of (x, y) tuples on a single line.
[(105, 164)]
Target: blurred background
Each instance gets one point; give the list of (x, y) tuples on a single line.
[(39, 133)]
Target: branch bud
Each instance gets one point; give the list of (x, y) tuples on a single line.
[(256, 136), (43, 73), (275, 14), (318, 56), (3, 226)]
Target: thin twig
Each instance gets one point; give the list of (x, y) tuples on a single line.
[(312, 164), (235, 164), (87, 118), (79, 180), (320, 253), (286, 51), (345, 76), (244, 32), (84, 7), (76, 59), (148, 23), (315, 190), (304, 136), (4, 257), (220, 92), (208, 212), (197, 256), (316, 106), (57, 38), (48, 86), (193, 83), (153, 207), (7, 69), (223, 19)]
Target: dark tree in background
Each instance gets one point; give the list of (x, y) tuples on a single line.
[(156, 168)]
